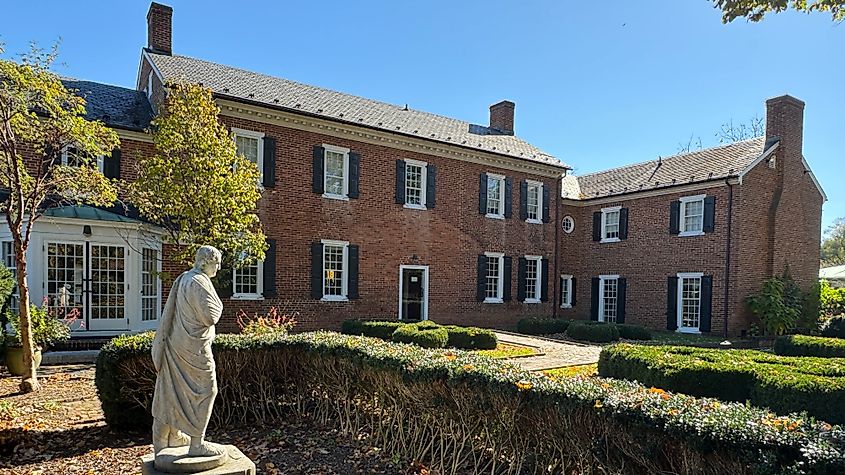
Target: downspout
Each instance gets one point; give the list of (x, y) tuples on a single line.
[(556, 224), (728, 254)]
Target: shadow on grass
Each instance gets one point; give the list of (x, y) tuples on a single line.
[(24, 446)]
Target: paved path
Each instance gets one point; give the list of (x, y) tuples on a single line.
[(557, 353)]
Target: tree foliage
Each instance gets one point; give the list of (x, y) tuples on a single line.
[(196, 186), (755, 10), (833, 244), (39, 118)]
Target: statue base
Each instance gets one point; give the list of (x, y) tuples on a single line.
[(176, 460)]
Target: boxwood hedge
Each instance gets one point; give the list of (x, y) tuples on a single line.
[(592, 331), (541, 325), (783, 384), (834, 327), (473, 414), (467, 338), (431, 337), (803, 345)]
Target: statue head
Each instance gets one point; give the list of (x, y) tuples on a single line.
[(208, 260)]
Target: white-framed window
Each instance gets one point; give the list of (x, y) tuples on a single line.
[(250, 144), (691, 221), (415, 184), (248, 281), (495, 196), (566, 291), (689, 301), (610, 224), (8, 252), (494, 286), (608, 298), (335, 172), (533, 278), (71, 157), (150, 285), (335, 270), (568, 224), (534, 202)]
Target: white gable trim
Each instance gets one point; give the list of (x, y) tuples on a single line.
[(757, 160), (813, 177), (146, 56)]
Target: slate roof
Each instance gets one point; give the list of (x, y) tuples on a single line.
[(114, 105), (248, 86), (693, 167)]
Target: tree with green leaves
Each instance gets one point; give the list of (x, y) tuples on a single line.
[(39, 118), (755, 10), (196, 186), (833, 244)]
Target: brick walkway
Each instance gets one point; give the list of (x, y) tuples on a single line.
[(557, 353)]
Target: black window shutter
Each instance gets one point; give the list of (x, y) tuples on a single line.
[(269, 180), (594, 298), (352, 279), (546, 215), (354, 174), (544, 284), (430, 185), (623, 223), (622, 290), (573, 293), (508, 197), (520, 279), (523, 200), (507, 271), (400, 182), (316, 270), (317, 182), (270, 269), (597, 226), (482, 194), (481, 283), (223, 283), (709, 214), (672, 303), (706, 303), (675, 217), (111, 165)]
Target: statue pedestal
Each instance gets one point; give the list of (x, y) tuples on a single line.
[(177, 460)]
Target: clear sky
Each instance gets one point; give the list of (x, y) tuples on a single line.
[(597, 84)]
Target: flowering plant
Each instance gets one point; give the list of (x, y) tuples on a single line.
[(270, 324), (47, 328)]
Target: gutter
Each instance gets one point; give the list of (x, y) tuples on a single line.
[(556, 224), (728, 255)]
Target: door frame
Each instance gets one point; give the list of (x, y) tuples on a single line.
[(402, 268)]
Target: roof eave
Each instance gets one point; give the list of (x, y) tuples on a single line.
[(662, 189)]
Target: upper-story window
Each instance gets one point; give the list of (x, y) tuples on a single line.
[(73, 158), (336, 172), (415, 184), (250, 145), (494, 284), (610, 224), (692, 215), (534, 203), (495, 196)]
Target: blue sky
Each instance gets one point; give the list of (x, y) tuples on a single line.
[(597, 84)]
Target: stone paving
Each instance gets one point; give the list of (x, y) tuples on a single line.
[(557, 353)]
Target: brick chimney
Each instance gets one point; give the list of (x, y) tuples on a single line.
[(501, 117), (160, 28), (785, 120)]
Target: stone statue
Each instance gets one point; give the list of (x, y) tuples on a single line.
[(186, 382)]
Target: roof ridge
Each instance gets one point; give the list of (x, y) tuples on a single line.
[(65, 78)]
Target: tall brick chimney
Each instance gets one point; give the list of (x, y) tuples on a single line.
[(160, 28), (501, 117), (785, 120)]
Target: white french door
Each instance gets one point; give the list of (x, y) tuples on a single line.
[(88, 280)]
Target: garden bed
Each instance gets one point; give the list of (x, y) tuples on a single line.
[(508, 350)]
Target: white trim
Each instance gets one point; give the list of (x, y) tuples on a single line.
[(813, 177), (344, 196), (563, 226), (501, 179), (101, 159), (604, 212), (500, 290), (538, 291), (602, 280), (568, 303), (423, 183), (344, 285), (259, 137), (679, 305), (539, 185), (684, 200), (259, 295), (146, 55), (757, 160), (424, 311), (150, 86)]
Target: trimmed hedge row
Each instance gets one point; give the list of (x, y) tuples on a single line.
[(571, 425), (592, 331), (541, 326), (803, 345), (783, 384), (546, 326), (436, 337), (426, 333)]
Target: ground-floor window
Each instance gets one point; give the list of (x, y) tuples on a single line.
[(150, 284), (108, 282), (64, 281), (247, 281), (608, 298), (494, 282), (8, 256), (533, 278), (689, 301), (334, 270), (566, 291)]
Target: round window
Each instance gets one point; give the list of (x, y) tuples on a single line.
[(568, 224)]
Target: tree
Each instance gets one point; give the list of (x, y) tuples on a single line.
[(755, 10), (730, 132), (39, 118), (833, 244), (196, 157)]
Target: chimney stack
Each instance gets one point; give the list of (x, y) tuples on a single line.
[(501, 117), (785, 120), (160, 28)]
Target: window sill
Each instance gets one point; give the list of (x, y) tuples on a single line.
[(410, 206), (566, 305), (607, 240), (531, 301), (493, 300), (693, 331), (336, 197), (495, 216), (247, 297), (691, 233), (534, 221), (334, 298)]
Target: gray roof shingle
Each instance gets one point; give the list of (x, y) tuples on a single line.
[(281, 93), (693, 167), (114, 105)]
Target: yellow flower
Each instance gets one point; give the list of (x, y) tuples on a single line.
[(598, 404), (524, 385), (605, 385), (449, 356), (468, 367)]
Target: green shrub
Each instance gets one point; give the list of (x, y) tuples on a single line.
[(779, 305), (427, 325), (783, 384), (541, 325), (378, 329), (398, 393), (592, 331), (47, 329), (633, 332), (834, 327), (435, 337), (802, 345), (471, 338), (831, 300)]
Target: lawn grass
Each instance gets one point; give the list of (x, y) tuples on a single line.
[(507, 350), (571, 371)]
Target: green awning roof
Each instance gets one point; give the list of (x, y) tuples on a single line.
[(87, 212), (835, 272)]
